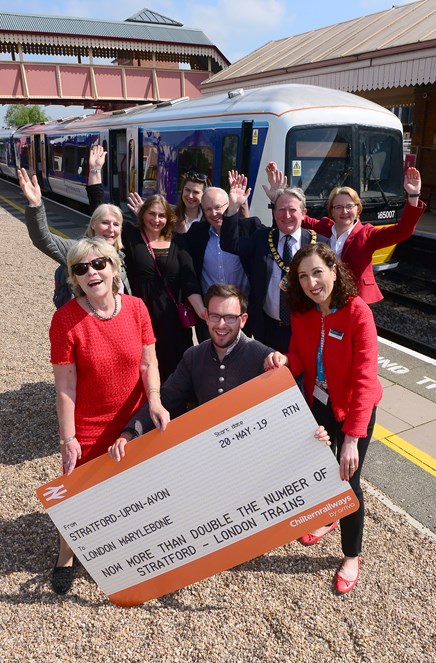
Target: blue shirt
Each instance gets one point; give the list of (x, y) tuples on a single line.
[(221, 267)]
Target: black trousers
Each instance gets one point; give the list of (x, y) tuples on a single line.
[(352, 525)]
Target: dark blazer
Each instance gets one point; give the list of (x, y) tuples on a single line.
[(254, 251)]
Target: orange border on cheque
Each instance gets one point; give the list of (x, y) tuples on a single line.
[(153, 443), (230, 556)]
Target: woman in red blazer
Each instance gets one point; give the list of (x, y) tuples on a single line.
[(353, 241), (334, 345)]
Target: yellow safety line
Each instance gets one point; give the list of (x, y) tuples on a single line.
[(21, 209), (409, 451), (9, 202)]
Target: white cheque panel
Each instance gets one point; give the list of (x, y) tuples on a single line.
[(226, 482)]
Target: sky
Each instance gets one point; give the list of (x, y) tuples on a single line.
[(236, 27)]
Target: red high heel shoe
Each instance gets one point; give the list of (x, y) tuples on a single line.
[(310, 539), (342, 585)]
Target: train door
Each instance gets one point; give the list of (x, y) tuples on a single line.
[(247, 142), (32, 156), (39, 161), (132, 161), (117, 166), (242, 148)]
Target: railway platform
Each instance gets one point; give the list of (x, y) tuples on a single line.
[(401, 462), (427, 225), (280, 606)]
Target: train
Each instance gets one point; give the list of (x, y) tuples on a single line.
[(319, 137)]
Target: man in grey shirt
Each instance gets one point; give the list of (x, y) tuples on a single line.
[(226, 360)]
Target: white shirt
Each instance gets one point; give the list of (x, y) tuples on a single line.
[(337, 243)]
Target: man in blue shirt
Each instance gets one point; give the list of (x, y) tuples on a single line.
[(211, 263)]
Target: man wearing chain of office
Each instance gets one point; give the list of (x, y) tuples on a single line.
[(268, 252)]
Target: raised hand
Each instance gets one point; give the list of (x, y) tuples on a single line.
[(29, 187), (134, 202), (412, 181), (238, 194), (276, 180), (97, 157)]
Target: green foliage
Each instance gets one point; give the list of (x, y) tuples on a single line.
[(17, 115)]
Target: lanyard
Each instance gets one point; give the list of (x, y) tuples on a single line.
[(320, 374)]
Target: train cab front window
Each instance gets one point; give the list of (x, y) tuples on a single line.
[(381, 163), (318, 159)]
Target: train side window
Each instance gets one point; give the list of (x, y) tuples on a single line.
[(229, 158), (198, 159), (24, 156), (70, 160), (82, 154), (56, 158), (3, 153)]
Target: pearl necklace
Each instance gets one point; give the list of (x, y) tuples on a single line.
[(101, 317)]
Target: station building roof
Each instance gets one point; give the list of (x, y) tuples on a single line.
[(391, 48)]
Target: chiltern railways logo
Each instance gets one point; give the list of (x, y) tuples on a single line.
[(55, 493)]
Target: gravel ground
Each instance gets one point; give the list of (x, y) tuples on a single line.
[(279, 607)]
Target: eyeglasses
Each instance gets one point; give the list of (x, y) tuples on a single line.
[(347, 208), (229, 318), (98, 264), (201, 177)]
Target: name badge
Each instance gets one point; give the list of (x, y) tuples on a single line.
[(320, 394), (334, 333)]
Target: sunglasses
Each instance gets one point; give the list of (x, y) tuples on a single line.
[(201, 177), (98, 264)]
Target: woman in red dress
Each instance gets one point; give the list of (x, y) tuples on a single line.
[(104, 362)]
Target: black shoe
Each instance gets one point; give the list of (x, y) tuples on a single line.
[(62, 579)]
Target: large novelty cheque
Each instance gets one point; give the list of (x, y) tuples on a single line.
[(226, 482)]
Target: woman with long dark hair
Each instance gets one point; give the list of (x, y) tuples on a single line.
[(334, 345), (188, 209), (157, 265)]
